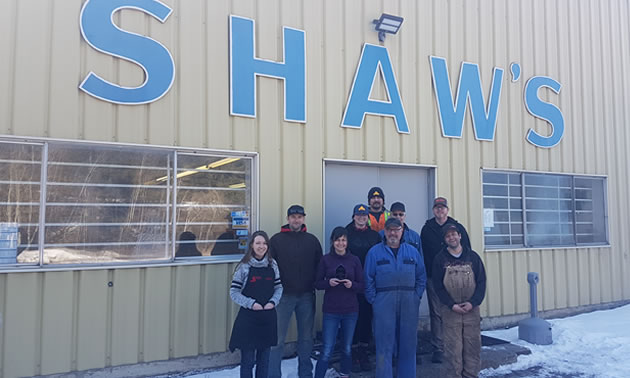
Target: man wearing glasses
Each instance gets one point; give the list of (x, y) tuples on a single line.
[(397, 210), (395, 279)]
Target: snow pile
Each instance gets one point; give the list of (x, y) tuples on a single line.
[(596, 344)]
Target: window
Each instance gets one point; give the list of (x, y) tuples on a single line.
[(543, 210), (113, 204)]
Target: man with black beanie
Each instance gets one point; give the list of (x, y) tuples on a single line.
[(378, 214)]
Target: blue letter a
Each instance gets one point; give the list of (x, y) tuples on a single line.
[(244, 68), (468, 90), (373, 59), (155, 59)]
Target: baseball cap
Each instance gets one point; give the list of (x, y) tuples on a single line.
[(376, 192), (440, 201), (295, 209), (397, 206), (393, 223), (449, 227), (360, 209)]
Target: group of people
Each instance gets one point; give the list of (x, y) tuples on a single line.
[(373, 279)]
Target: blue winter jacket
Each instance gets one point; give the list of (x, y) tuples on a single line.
[(386, 273)]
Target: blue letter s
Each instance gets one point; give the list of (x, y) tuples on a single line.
[(544, 110), (100, 32)]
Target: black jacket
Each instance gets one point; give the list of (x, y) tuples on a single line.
[(297, 255), (433, 240), (468, 256), (360, 241)]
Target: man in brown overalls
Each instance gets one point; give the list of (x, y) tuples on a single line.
[(459, 279)]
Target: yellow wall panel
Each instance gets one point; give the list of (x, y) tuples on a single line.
[(217, 118), (584, 285), (57, 322), (560, 277), (156, 314), (191, 74), (31, 76), (185, 308), (8, 20), (21, 323), (494, 290), (508, 299), (520, 280), (594, 275), (92, 323), (65, 62), (547, 272), (125, 311), (215, 288)]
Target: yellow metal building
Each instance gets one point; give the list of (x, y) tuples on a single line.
[(100, 191)]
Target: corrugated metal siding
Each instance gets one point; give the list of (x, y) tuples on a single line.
[(63, 321), (60, 321)]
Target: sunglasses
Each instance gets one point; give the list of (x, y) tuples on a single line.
[(398, 214)]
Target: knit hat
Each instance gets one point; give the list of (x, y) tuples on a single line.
[(376, 192)]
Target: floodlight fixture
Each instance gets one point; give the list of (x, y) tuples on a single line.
[(387, 23)]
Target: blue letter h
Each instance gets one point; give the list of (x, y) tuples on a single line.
[(244, 67)]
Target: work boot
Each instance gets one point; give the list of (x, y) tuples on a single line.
[(364, 359), (437, 357)]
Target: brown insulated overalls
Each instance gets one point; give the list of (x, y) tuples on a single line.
[(462, 333)]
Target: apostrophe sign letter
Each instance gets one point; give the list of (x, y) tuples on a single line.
[(374, 59), (102, 34), (244, 67)]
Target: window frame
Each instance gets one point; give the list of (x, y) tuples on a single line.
[(171, 242), (524, 246)]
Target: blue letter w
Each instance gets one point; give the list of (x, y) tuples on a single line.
[(468, 89)]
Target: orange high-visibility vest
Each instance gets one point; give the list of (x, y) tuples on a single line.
[(380, 224)]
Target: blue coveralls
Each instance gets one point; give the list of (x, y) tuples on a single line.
[(394, 286)]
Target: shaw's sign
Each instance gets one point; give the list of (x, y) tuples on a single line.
[(100, 32)]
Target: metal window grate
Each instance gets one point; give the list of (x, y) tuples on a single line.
[(543, 210)]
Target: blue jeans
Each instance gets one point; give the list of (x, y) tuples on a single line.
[(304, 307), (258, 356), (330, 327)]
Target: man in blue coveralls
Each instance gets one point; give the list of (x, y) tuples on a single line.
[(395, 279)]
